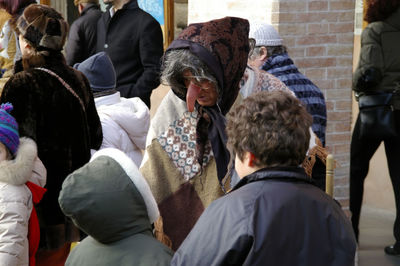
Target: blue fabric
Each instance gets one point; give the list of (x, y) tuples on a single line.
[(282, 67), (9, 134)]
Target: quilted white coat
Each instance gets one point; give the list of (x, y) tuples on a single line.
[(125, 123), (16, 202)]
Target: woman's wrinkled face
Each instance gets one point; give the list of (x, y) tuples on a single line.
[(203, 91)]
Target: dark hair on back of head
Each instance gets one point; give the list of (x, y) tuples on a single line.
[(13, 6), (272, 125), (378, 10)]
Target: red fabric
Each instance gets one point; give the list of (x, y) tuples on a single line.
[(34, 229), (55, 257)]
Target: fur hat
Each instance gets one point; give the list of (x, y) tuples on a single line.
[(264, 34), (77, 2), (43, 27), (9, 135), (100, 72)]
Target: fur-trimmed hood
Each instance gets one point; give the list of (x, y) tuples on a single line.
[(108, 198), (19, 170)]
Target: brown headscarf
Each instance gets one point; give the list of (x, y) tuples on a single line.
[(223, 45)]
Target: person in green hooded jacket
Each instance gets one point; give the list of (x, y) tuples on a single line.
[(110, 201)]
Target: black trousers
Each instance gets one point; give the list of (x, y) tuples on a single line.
[(361, 153)]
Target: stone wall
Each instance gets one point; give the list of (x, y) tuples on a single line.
[(320, 39)]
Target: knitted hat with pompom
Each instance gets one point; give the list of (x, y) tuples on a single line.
[(9, 135)]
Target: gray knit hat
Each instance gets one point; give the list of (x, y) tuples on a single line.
[(100, 72), (264, 34)]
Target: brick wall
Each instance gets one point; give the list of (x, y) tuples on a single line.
[(320, 38)]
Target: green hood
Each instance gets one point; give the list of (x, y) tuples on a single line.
[(103, 201)]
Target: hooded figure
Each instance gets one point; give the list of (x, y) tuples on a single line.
[(110, 201), (186, 159)]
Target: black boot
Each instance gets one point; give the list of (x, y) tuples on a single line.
[(393, 250)]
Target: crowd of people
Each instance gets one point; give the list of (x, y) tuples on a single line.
[(229, 171)]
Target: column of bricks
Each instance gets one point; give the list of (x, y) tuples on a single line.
[(320, 38)]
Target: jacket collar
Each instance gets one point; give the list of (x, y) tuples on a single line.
[(88, 7), (107, 99), (394, 19), (286, 174), (130, 5), (278, 61)]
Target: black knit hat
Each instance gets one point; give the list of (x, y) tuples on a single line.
[(43, 27)]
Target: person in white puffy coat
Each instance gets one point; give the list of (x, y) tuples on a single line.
[(19, 164), (125, 121)]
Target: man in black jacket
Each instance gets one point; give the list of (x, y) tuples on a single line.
[(133, 40), (82, 35)]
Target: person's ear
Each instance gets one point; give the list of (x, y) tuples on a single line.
[(80, 8), (263, 53), (26, 45), (251, 159)]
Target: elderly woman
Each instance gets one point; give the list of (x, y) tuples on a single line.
[(53, 105), (186, 158)]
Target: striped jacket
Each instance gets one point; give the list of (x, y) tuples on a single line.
[(283, 68)]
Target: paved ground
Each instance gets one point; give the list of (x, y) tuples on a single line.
[(375, 233)]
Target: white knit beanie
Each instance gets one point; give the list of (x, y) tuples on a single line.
[(264, 34)]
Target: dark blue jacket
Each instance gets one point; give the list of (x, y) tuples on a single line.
[(272, 217), (282, 67)]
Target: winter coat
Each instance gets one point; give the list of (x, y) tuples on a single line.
[(282, 67), (83, 35), (272, 217), (51, 115), (133, 40), (10, 52), (379, 61), (183, 184), (105, 199), (125, 123), (16, 202)]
